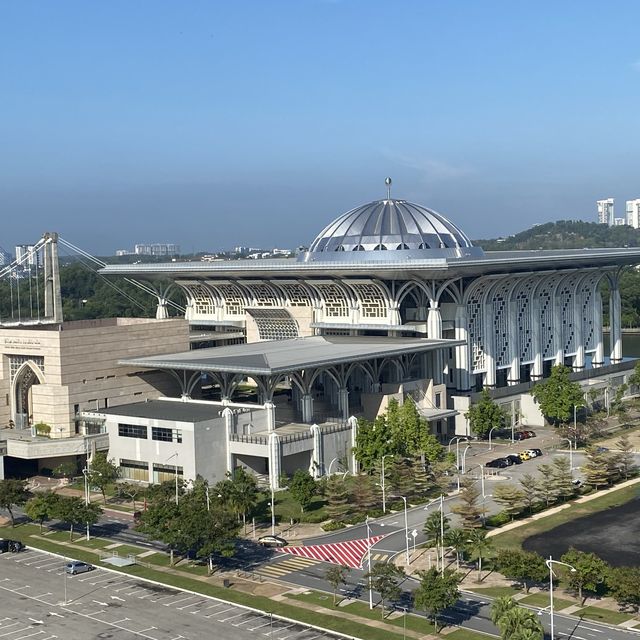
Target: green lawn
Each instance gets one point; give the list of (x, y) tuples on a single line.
[(603, 615), (542, 600), (513, 539), (467, 634), (496, 592)]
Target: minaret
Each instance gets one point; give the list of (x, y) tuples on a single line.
[(52, 294)]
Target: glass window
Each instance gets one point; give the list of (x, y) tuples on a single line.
[(134, 470), (166, 435), (165, 472), (132, 431)]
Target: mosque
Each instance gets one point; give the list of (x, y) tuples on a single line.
[(391, 300)]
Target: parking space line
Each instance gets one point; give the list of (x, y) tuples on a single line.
[(13, 624), (10, 633), (239, 624), (37, 633), (193, 604), (242, 613), (170, 604), (260, 626), (100, 581), (219, 612)]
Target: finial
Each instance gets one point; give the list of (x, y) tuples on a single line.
[(387, 181)]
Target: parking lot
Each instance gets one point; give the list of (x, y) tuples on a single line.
[(107, 604)]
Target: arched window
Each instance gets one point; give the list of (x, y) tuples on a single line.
[(402, 247), (339, 248), (380, 247), (358, 247)]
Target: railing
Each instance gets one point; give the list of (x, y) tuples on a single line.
[(238, 437)]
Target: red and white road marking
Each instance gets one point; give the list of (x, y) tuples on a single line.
[(350, 553)]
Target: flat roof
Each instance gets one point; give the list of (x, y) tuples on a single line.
[(392, 266), (285, 356), (163, 410)]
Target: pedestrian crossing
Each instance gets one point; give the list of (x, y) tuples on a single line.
[(380, 557), (279, 569), (349, 553)]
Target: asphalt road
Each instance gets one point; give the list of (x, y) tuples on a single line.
[(105, 604)]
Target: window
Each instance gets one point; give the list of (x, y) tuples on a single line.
[(166, 435), (438, 401), (165, 472), (132, 431), (134, 470)]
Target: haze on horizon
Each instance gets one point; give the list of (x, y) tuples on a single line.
[(215, 124)]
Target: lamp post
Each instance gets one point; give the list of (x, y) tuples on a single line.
[(366, 521), (406, 528), (550, 562), (464, 456), (330, 464), (571, 445), (490, 432), (273, 512), (606, 401), (441, 501), (87, 494), (384, 497), (175, 471)]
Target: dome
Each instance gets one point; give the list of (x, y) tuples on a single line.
[(390, 225)]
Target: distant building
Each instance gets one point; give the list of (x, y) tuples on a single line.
[(123, 252), (5, 257), (633, 213), (606, 211), (157, 249), (619, 222)]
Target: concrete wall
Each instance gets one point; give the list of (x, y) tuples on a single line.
[(210, 451), (336, 445)]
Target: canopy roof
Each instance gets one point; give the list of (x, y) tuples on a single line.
[(285, 356)]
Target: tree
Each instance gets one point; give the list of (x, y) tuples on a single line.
[(436, 592), (433, 530), (336, 576), (337, 498), (624, 586), (524, 566), (102, 472), (243, 493), (520, 623), (422, 480), (561, 477), (485, 415), (41, 508), (385, 579), (546, 489), (479, 547), (624, 458), (467, 506), (500, 606), (73, 511), (66, 470), (401, 476), (363, 494), (302, 487), (510, 497), (13, 493), (557, 395), (597, 470), (530, 486), (130, 490), (456, 538), (590, 571)]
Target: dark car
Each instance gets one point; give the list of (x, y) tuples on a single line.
[(272, 541), (513, 459), (10, 545), (530, 434), (498, 463), (520, 435)]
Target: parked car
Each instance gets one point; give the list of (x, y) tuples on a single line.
[(538, 452), (530, 434), (498, 463), (533, 453), (75, 566), (14, 546), (513, 459), (601, 449), (524, 456), (272, 541), (520, 435)]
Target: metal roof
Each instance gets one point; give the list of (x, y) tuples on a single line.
[(163, 410), (286, 356)]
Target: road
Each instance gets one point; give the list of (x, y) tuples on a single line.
[(106, 604)]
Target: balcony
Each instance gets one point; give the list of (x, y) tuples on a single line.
[(27, 447)]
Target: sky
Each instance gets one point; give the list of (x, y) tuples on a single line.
[(216, 124)]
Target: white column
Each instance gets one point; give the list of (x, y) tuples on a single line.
[(343, 402), (536, 341), (514, 343), (462, 363), (307, 408), (394, 315), (578, 333), (317, 456), (615, 322), (275, 460), (353, 421), (1, 467), (557, 329), (598, 356), (434, 332), (271, 415), (227, 414), (489, 346), (161, 309)]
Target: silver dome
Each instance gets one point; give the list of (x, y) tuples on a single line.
[(390, 225)]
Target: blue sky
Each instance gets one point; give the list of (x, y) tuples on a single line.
[(214, 124)]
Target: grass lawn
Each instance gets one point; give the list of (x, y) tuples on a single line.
[(603, 615), (542, 600), (496, 592), (126, 550), (93, 543), (513, 539), (467, 634)]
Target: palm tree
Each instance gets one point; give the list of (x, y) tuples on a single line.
[(432, 530), (516, 621), (479, 546), (457, 539), (527, 634), (500, 606)]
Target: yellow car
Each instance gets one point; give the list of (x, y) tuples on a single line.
[(524, 455)]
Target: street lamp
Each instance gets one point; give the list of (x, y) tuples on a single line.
[(490, 432), (441, 501), (550, 562), (273, 511), (175, 455), (464, 455), (330, 465), (482, 479), (606, 401), (384, 498), (575, 424), (571, 445), (366, 521), (87, 495), (406, 527)]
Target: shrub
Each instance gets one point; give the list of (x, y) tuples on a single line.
[(498, 519), (332, 525), (42, 429)]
